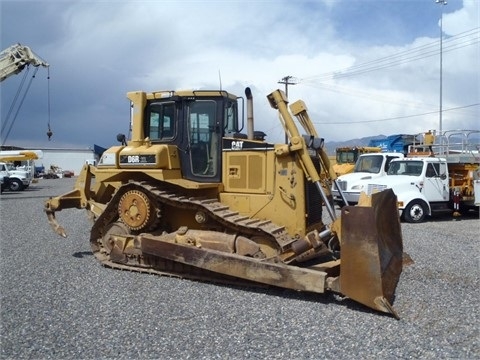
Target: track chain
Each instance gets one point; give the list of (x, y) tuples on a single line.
[(230, 220)]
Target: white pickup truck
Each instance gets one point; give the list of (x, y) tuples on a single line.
[(19, 179), (367, 167)]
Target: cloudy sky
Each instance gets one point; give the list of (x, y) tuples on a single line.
[(363, 67)]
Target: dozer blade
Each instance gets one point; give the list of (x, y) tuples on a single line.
[(371, 251), (243, 267)]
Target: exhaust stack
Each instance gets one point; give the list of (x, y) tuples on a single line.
[(248, 94)]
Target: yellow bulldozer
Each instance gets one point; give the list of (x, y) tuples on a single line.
[(190, 195), (347, 156)]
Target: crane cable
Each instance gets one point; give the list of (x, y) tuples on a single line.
[(12, 106), (19, 106), (49, 131)]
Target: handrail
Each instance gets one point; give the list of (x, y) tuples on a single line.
[(452, 144)]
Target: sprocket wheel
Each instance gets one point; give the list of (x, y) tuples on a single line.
[(135, 210)]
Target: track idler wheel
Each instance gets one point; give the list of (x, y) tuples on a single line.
[(116, 228), (136, 210)]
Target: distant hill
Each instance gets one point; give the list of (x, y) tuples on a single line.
[(330, 146)]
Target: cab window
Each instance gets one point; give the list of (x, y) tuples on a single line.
[(231, 117), (161, 122), (387, 163), (432, 170)]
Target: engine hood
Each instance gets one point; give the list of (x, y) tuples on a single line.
[(357, 176), (392, 180)]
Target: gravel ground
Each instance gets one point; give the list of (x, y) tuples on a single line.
[(57, 302)]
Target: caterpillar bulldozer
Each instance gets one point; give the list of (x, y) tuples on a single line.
[(190, 195)]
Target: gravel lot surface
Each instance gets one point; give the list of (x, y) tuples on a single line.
[(58, 302)]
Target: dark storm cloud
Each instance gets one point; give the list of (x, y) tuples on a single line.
[(100, 50)]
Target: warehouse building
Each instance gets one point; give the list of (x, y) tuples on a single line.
[(68, 159)]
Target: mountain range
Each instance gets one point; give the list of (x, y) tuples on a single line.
[(330, 146)]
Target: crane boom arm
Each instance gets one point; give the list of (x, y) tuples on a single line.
[(14, 59)]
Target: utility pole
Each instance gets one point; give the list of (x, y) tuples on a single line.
[(287, 80), (441, 3)]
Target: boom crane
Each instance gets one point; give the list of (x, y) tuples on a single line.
[(14, 59)]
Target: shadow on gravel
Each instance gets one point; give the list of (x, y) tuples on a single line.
[(23, 194), (46, 197), (82, 254), (325, 299), (469, 215)]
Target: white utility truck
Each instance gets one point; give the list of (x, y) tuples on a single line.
[(425, 185), (367, 167)]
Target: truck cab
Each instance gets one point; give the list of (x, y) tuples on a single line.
[(18, 179), (4, 177), (421, 185), (367, 167)]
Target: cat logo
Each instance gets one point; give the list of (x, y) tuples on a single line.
[(237, 145)]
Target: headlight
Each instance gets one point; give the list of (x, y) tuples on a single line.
[(108, 159), (357, 187)]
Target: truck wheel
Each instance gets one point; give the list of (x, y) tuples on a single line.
[(415, 212), (16, 185)]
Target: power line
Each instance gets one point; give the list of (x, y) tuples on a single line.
[(461, 40), (411, 54), (371, 96), (394, 118), (368, 95)]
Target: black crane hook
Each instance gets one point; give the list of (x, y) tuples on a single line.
[(49, 132)]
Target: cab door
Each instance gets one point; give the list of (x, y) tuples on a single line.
[(201, 153), (435, 185)]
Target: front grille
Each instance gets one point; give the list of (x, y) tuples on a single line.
[(342, 184), (374, 188)]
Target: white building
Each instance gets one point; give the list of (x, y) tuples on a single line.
[(67, 159)]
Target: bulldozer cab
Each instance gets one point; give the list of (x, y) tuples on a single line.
[(195, 124)]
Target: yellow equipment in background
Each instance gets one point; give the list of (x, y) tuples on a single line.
[(20, 155), (347, 156)]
